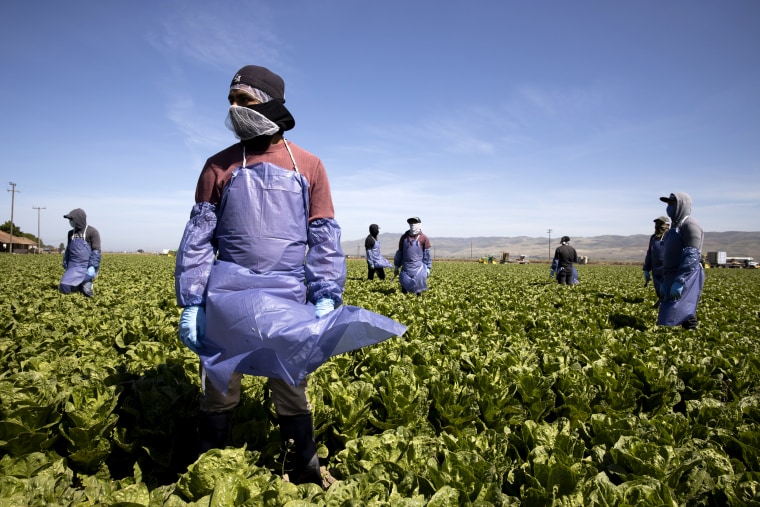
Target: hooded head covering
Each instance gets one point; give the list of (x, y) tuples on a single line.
[(79, 217), (374, 230), (681, 202)]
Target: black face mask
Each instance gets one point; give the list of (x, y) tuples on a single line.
[(276, 111)]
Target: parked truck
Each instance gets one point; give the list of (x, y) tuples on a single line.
[(716, 259), (721, 260), (741, 262)]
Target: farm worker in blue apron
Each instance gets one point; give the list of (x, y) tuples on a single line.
[(81, 259), (376, 263), (412, 260), (260, 273), (655, 257), (683, 277)]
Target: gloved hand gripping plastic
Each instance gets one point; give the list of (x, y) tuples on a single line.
[(323, 307), (192, 327)]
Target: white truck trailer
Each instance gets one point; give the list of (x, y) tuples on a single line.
[(716, 259)]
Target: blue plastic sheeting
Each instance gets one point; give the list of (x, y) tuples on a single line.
[(256, 333), (77, 261)]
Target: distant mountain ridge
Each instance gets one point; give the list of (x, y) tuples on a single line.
[(596, 248)]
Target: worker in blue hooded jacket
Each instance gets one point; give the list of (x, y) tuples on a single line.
[(683, 277), (81, 260)]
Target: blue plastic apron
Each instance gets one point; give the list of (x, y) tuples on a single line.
[(257, 319), (78, 260), (413, 276)]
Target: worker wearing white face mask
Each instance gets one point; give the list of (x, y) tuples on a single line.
[(260, 274), (413, 261)]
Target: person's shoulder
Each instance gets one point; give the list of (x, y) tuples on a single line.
[(302, 155), (692, 223), (224, 157)]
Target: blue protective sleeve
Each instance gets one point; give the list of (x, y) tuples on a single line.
[(94, 259), (195, 256), (426, 259), (688, 265), (325, 262), (397, 260)]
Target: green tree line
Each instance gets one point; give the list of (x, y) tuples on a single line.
[(18, 233)]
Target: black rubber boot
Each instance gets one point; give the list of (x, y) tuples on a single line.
[(301, 460), (213, 430)]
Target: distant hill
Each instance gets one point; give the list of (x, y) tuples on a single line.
[(597, 248)]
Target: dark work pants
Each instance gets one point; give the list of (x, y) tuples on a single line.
[(372, 271), (565, 276)]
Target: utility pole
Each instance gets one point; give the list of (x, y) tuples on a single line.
[(13, 191), (38, 226), (550, 243)]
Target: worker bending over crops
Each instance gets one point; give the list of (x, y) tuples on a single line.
[(412, 260), (655, 257), (260, 272), (683, 277), (81, 260)]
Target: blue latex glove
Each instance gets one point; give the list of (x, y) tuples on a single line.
[(551, 273), (323, 307), (647, 276), (192, 327), (676, 290), (91, 272)]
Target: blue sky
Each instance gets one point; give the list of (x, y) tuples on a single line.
[(484, 118)]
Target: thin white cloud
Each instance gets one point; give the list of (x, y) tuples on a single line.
[(212, 35)]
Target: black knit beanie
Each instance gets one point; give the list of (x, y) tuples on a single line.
[(261, 78)]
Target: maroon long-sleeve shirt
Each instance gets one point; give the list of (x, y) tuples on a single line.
[(218, 170)]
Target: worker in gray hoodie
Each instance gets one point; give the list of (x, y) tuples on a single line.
[(683, 277), (81, 260)]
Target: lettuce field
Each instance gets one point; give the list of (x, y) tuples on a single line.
[(507, 389)]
